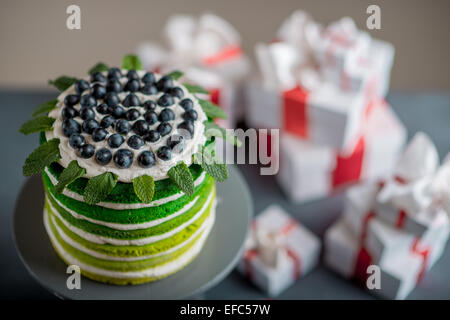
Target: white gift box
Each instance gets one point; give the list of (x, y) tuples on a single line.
[(208, 49), (399, 273), (278, 251), (309, 171)]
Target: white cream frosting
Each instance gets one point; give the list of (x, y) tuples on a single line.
[(135, 242), (122, 206), (161, 167), (157, 271)]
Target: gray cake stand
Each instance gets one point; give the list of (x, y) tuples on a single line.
[(219, 256)]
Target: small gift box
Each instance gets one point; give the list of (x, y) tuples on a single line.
[(309, 171), (347, 255), (278, 251), (208, 50), (297, 93)]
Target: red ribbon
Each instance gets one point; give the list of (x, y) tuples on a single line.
[(424, 253), (364, 259), (229, 53), (295, 111), (348, 168)]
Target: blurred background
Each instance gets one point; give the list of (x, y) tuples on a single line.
[(35, 44)]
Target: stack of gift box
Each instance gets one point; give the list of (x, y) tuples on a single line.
[(324, 88), (207, 49), (400, 225)]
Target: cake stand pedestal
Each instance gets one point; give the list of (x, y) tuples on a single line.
[(219, 256)]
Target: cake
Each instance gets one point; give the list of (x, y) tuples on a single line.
[(128, 170)]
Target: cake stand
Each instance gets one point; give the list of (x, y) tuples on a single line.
[(219, 256)]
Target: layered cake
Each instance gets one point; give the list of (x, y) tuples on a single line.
[(129, 195)]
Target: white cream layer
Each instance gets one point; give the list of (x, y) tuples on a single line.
[(161, 167), (136, 242), (157, 271), (124, 206), (68, 240)]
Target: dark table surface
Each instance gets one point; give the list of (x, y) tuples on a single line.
[(428, 112)]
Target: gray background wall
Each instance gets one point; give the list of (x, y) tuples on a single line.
[(35, 44)]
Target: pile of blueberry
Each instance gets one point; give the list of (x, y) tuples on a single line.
[(129, 119)]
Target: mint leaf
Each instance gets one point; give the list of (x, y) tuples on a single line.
[(99, 187), (204, 157), (213, 130), (144, 188), (176, 74), (212, 110), (37, 124), (42, 156), (131, 62), (62, 83), (182, 177), (99, 67), (69, 175), (192, 88), (45, 107)]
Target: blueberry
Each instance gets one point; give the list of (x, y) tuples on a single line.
[(146, 159), (98, 91), (87, 113), (176, 92), (164, 83), (186, 128), (81, 86), (76, 140), (149, 105), (114, 86), (190, 114), (102, 108), (103, 156), (166, 115), (132, 114), (186, 104), (70, 126), (89, 125), (164, 153), (149, 77), (149, 89), (176, 143), (151, 117), (164, 128), (99, 134), (112, 99), (131, 100), (115, 140), (123, 158), (152, 136), (88, 101), (117, 111), (135, 142), (114, 73), (69, 113), (71, 99), (166, 100), (98, 77), (107, 121), (132, 85), (123, 126), (141, 127), (132, 75), (87, 151)]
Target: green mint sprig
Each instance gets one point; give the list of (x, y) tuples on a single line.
[(69, 175), (38, 124), (99, 187), (99, 67), (182, 177), (144, 188), (63, 83), (131, 62), (41, 157), (45, 107)]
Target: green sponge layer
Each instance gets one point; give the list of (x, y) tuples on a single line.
[(127, 216)]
